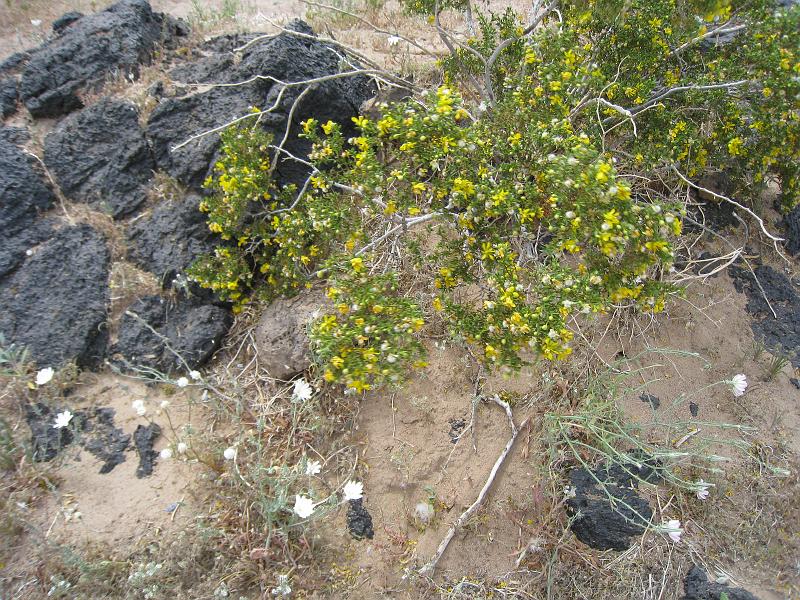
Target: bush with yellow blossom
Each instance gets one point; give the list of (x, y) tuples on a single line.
[(547, 178)]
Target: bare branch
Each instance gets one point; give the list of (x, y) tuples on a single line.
[(430, 566)]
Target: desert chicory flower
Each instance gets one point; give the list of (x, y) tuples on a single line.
[(282, 590), (738, 384), (44, 375), (353, 490), (302, 390), (62, 419), (230, 453), (182, 447), (313, 467), (303, 506), (166, 453), (673, 529), (195, 375), (701, 489), (182, 382), (138, 406), (393, 40)]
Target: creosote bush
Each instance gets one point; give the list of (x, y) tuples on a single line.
[(548, 174)]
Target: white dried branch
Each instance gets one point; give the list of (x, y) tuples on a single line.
[(430, 566), (742, 207), (371, 25)]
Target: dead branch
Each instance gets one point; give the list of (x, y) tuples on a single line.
[(430, 566)]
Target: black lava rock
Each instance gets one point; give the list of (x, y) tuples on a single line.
[(697, 587), (143, 438), (9, 94), (116, 40), (359, 521), (600, 524), (23, 194), (65, 20), (14, 135), (100, 156), (694, 409), (285, 57), (791, 224), (46, 440), (14, 64), (167, 241), (653, 401), (781, 334), (188, 326), (55, 304), (105, 441)]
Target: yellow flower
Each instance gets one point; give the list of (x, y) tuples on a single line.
[(418, 188), (309, 125), (735, 146), (357, 263)]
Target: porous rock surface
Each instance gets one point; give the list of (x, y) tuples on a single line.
[(359, 521), (791, 224), (287, 58), (155, 328), (697, 587), (144, 438), (116, 40), (23, 195), (169, 239), (55, 303), (46, 440), (281, 338), (600, 524), (9, 94), (779, 332), (100, 156)]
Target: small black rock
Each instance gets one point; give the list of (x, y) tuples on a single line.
[(144, 437), (697, 587), (359, 521), (795, 382), (694, 409), (103, 440), (650, 399), (456, 427), (599, 523)]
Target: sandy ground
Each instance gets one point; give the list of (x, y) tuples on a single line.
[(407, 437)]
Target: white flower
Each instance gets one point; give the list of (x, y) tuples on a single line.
[(739, 384), (353, 490), (195, 375), (138, 406), (182, 382), (282, 589), (303, 506), (701, 488), (313, 467), (166, 453), (230, 453), (302, 390), (164, 404), (393, 40), (44, 376), (182, 447), (62, 419), (673, 529), (36, 22), (482, 107)]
